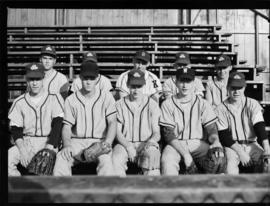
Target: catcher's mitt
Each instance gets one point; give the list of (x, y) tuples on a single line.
[(214, 162), (266, 163), (43, 162), (149, 156), (91, 153)]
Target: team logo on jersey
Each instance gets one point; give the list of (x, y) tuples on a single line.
[(182, 56), (48, 49), (155, 83), (34, 67), (136, 74), (221, 59), (185, 70), (89, 54), (143, 54), (237, 77)]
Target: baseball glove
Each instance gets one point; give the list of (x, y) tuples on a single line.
[(149, 156), (214, 162), (43, 162), (266, 163), (91, 153)]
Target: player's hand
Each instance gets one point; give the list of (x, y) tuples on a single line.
[(215, 144), (51, 147), (188, 160), (131, 152), (245, 159), (67, 153), (25, 156)]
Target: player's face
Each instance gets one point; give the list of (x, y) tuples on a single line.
[(47, 61), (136, 91), (35, 85), (140, 64), (185, 87), (224, 72), (88, 83), (236, 93)]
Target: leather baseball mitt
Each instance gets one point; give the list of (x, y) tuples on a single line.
[(91, 153), (266, 163), (43, 162), (214, 162), (149, 156)]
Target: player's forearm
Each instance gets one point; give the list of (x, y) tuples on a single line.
[(19, 143), (237, 148), (178, 147), (121, 139), (111, 132), (66, 135), (266, 146), (212, 134), (155, 136)]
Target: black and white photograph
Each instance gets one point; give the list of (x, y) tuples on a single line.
[(137, 105)]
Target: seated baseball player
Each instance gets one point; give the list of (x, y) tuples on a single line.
[(216, 88), (169, 87), (183, 118), (35, 120), (89, 118), (54, 82), (152, 87), (103, 82), (241, 125), (137, 129)]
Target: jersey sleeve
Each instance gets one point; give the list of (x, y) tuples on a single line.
[(166, 87), (15, 114), (222, 122), (58, 106), (119, 110), (106, 84), (199, 88), (121, 83), (64, 84), (256, 112), (76, 85), (156, 84), (110, 104), (208, 115), (166, 118), (69, 112)]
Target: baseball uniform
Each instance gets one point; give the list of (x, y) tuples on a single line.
[(35, 118), (88, 120)]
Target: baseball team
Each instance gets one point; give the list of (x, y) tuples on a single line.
[(164, 129)]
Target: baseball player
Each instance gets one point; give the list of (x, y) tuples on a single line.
[(54, 81), (216, 88), (103, 82), (183, 118), (35, 120), (241, 124), (152, 87), (89, 117), (169, 85), (137, 124)]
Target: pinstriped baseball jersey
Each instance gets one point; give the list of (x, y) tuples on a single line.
[(187, 119), (36, 118), (152, 85), (137, 122), (170, 86), (239, 120), (88, 116), (218, 91), (103, 83), (55, 83)]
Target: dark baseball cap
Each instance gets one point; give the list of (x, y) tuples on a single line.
[(223, 61), (185, 74), (89, 69), (182, 58), (136, 77), (48, 50), (237, 79), (142, 55), (35, 70), (90, 56)]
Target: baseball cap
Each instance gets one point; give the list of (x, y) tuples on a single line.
[(136, 77), (48, 50), (182, 58), (223, 61), (90, 56), (237, 79), (142, 55), (185, 74), (89, 69), (34, 70)]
